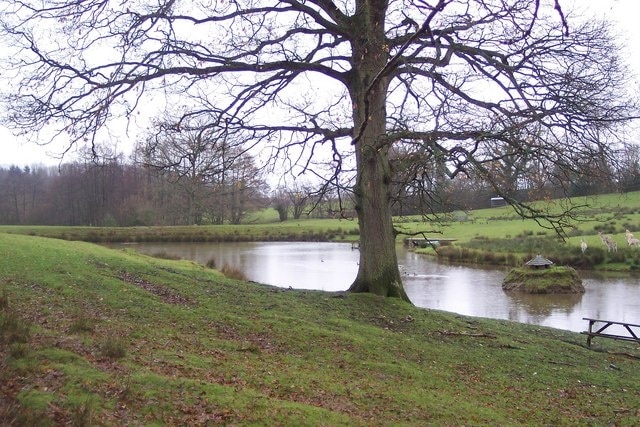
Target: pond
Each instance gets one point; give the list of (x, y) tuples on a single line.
[(429, 284)]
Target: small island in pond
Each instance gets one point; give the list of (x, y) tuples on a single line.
[(541, 277)]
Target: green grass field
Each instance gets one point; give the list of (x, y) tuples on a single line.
[(499, 236), (94, 336), (610, 213)]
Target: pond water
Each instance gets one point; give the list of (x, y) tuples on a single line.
[(429, 284)]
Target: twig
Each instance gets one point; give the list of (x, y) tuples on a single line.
[(622, 353), (466, 334)]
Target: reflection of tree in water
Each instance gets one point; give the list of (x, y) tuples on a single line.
[(534, 308)]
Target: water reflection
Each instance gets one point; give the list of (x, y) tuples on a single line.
[(429, 284), (321, 266), (537, 309)]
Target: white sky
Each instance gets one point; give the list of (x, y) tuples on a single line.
[(623, 13)]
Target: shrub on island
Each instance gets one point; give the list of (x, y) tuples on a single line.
[(551, 280)]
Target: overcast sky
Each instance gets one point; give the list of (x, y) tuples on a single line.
[(623, 13)]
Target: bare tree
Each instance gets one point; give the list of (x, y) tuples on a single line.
[(208, 164), (628, 168), (18, 190), (346, 79), (296, 196), (188, 157), (245, 189), (420, 182), (281, 203)]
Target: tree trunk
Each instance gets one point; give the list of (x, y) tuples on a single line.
[(378, 271)]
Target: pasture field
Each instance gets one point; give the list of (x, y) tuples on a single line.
[(96, 336), (499, 236), (609, 213)]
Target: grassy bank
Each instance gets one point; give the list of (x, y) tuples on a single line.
[(306, 230), (92, 335)]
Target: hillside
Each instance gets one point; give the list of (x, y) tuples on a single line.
[(97, 336), (498, 236)]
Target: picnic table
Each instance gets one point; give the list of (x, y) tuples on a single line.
[(611, 329)]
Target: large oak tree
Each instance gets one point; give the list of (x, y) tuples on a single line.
[(343, 78)]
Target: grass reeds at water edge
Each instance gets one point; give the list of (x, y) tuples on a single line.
[(228, 270), (165, 255), (233, 272)]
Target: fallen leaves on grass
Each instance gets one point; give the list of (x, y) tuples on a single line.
[(165, 294)]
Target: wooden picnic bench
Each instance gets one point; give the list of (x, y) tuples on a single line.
[(632, 331), (420, 242)]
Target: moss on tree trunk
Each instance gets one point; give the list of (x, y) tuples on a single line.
[(378, 271)]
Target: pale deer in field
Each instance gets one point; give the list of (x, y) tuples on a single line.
[(608, 241), (632, 241)]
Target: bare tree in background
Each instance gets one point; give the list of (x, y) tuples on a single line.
[(295, 197), (209, 165), (420, 182), (281, 203), (189, 158), (342, 79), (628, 171)]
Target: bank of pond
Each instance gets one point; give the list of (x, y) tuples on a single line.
[(458, 288), (478, 250)]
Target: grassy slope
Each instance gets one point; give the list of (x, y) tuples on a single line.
[(501, 231), (118, 338), (613, 211)]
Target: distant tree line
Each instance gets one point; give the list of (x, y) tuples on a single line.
[(106, 190), (117, 193), (424, 185)]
